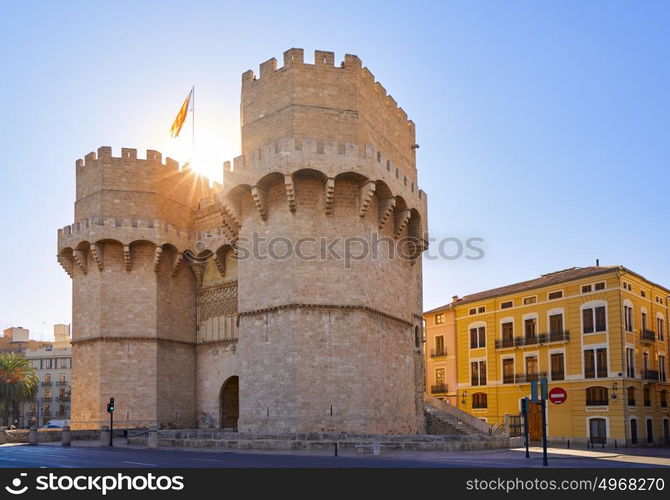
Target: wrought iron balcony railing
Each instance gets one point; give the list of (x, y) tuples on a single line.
[(647, 335), (523, 378), (436, 353), (543, 338), (650, 374), (438, 388)]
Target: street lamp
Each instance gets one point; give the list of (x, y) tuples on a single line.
[(464, 396), (614, 389)]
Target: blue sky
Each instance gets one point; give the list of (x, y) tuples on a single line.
[(544, 126)]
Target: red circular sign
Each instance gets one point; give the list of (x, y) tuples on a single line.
[(558, 395)]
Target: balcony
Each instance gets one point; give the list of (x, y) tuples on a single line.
[(438, 389), (508, 379), (507, 342), (47, 383), (650, 375), (47, 399), (436, 353), (64, 398), (597, 402), (525, 378), (631, 402), (647, 336), (61, 383), (543, 338)]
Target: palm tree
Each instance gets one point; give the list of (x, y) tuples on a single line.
[(18, 382)]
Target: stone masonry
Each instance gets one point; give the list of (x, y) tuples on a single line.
[(177, 314)]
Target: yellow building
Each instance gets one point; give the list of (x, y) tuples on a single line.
[(440, 354), (599, 333)]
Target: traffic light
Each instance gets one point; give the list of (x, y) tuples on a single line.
[(110, 405)]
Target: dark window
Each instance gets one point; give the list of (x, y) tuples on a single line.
[(530, 300), (439, 319), (508, 371), (601, 358), (479, 400), (555, 295), (631, 396), (508, 331), (663, 398), (586, 288), (477, 337), (589, 364), (506, 305), (478, 372), (439, 345), (630, 362), (531, 367), (597, 396), (530, 327), (473, 310), (599, 286), (555, 324), (647, 396), (481, 309), (557, 366), (594, 319)]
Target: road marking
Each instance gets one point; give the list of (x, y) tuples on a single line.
[(206, 459), (139, 463)]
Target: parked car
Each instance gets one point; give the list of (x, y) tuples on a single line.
[(55, 424)]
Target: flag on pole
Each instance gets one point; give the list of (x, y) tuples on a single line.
[(181, 116)]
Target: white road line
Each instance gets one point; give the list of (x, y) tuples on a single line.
[(206, 459), (139, 463)]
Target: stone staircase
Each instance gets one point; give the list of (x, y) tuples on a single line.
[(443, 418)]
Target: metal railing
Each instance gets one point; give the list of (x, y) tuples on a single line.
[(508, 379), (647, 335), (436, 353), (597, 402), (650, 374), (543, 338), (47, 383), (523, 378), (438, 388), (62, 383)]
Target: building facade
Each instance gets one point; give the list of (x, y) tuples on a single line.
[(186, 326), (52, 362), (599, 333), (440, 354)]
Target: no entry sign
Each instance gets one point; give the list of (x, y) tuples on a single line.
[(558, 395)]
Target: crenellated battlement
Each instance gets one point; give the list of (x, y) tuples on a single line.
[(104, 154), (294, 59)]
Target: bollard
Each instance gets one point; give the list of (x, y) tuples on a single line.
[(336, 450), (104, 435), (568, 444), (66, 436), (615, 444), (152, 440), (32, 436)]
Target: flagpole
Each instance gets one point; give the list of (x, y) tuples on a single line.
[(193, 124)]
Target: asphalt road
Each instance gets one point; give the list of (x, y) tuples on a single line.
[(24, 456)]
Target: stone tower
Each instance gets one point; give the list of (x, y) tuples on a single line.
[(134, 317), (269, 324)]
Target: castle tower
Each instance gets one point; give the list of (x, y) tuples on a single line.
[(288, 300), (324, 343), (133, 325)]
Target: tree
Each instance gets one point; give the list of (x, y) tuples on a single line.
[(18, 382)]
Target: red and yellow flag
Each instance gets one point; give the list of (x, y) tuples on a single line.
[(181, 116)]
